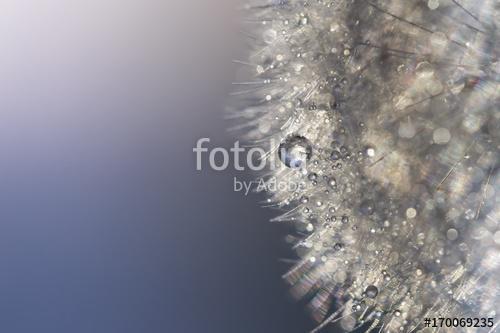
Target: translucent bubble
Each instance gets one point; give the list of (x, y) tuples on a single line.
[(370, 152), (332, 182), (452, 234), (312, 176), (295, 151), (371, 291), (367, 207), (433, 4), (411, 213), (335, 156), (441, 136)]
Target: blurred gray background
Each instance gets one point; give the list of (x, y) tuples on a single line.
[(105, 226)]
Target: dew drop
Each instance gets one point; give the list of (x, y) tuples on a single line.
[(367, 207), (411, 213), (312, 176), (295, 151), (452, 234), (370, 152), (441, 136), (433, 4), (371, 291), (335, 156), (332, 182)]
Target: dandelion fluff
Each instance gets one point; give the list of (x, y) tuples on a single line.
[(397, 214)]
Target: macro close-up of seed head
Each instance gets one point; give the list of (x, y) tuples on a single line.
[(386, 115)]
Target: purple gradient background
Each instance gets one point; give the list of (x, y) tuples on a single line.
[(104, 224)]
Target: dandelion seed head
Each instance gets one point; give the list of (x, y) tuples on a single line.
[(387, 112)]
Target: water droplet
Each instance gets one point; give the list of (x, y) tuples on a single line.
[(367, 207), (371, 291), (295, 151), (312, 176), (370, 152), (452, 234), (335, 156), (433, 4), (441, 136), (411, 213), (338, 246), (332, 182)]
